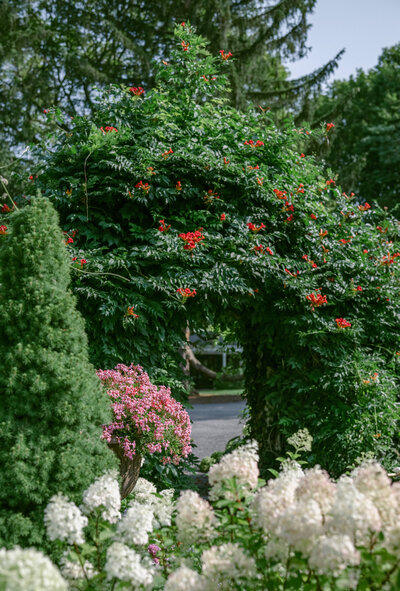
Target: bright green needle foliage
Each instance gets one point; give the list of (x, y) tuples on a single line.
[(172, 189), (52, 404)]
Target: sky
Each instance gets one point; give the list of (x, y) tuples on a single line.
[(362, 27)]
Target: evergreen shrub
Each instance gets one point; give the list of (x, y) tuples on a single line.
[(53, 404)]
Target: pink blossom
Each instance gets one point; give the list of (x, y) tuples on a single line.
[(146, 417)]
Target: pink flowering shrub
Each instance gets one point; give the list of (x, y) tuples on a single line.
[(146, 417)]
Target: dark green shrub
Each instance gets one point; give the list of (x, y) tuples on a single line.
[(275, 235), (52, 403)]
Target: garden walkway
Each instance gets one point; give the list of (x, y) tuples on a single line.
[(215, 422)]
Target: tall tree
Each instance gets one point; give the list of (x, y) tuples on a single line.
[(364, 146), (53, 52)]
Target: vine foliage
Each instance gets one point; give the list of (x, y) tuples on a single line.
[(172, 189)]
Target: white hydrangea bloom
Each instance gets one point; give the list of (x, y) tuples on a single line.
[(316, 484), (143, 490), (161, 504), (64, 521), (242, 464), (72, 570), (136, 524), (372, 480), (301, 440), (104, 492), (301, 524), (184, 579), (29, 569), (272, 500), (124, 564), (223, 567), (333, 554), (353, 513), (195, 518), (163, 507)]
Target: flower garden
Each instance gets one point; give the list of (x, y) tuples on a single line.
[(167, 208)]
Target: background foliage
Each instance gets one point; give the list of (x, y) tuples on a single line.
[(364, 147), (274, 232)]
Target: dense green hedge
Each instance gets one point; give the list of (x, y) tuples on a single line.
[(179, 153)]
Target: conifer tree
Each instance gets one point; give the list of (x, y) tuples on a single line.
[(52, 403)]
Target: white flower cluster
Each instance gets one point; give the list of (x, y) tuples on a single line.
[(184, 579), (144, 490), (161, 504), (301, 440), (353, 513), (242, 464), (225, 566), (194, 519), (136, 524), (125, 564), (308, 512), (64, 521), (333, 554), (104, 492), (29, 569)]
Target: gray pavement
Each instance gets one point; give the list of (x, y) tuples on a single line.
[(214, 424)]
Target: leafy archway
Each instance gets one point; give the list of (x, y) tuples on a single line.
[(171, 190)]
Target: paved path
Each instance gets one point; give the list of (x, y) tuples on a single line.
[(214, 424)]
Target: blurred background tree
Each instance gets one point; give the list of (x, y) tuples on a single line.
[(364, 146), (55, 52)]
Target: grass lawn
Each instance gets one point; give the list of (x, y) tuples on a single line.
[(232, 391)]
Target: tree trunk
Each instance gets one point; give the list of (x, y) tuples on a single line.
[(128, 469)]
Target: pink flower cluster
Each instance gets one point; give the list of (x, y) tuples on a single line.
[(146, 417)]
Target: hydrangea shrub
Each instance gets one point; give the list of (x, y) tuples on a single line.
[(187, 210), (300, 530)]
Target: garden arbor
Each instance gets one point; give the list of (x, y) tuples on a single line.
[(169, 191)]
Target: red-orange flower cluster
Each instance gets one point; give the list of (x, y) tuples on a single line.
[(254, 228), (137, 91), (144, 186), (186, 292), (163, 227), (364, 207), (389, 258), (254, 144), (167, 153), (329, 126), (191, 239), (343, 323), (225, 56), (260, 249), (316, 299), (211, 195), (185, 46), (178, 186), (130, 312), (280, 194), (3, 230), (107, 129), (5, 208)]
